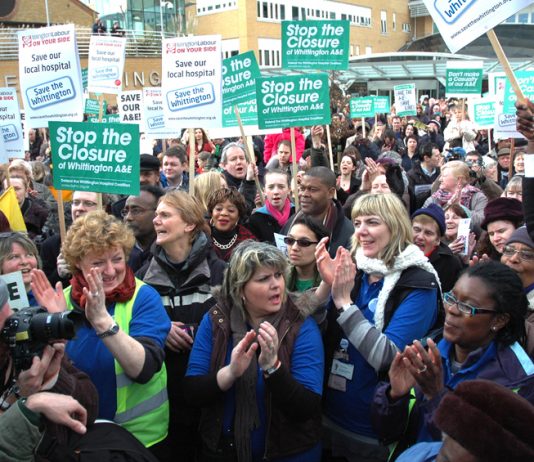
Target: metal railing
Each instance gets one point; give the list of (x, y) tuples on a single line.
[(138, 43)]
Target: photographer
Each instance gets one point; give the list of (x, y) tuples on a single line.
[(24, 420), (477, 177)]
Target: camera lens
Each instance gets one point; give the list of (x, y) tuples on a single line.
[(50, 326)]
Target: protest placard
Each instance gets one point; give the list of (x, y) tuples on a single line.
[(463, 78), (405, 99), (49, 75), (482, 112), (152, 117), (18, 298), (10, 125), (362, 107), (459, 24), (106, 64), (107, 119), (526, 82), (191, 81), (130, 104), (381, 104), (504, 125), (248, 112), (239, 78), (85, 77), (92, 106), (315, 44), (293, 101), (97, 157)]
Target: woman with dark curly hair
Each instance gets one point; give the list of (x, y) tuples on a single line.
[(227, 208)]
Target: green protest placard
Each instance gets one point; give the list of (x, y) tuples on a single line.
[(381, 104), (106, 119), (95, 157), (526, 82), (362, 107), (247, 110), (482, 112), (92, 106), (315, 44), (239, 78), (293, 101), (85, 73), (463, 78)]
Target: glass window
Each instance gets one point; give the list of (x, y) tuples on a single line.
[(522, 18), (265, 10), (295, 13), (282, 12), (258, 8), (511, 19)]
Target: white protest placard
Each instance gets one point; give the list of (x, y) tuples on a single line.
[(191, 81), (18, 299), (50, 76), (130, 104), (464, 229), (152, 117), (106, 64), (405, 99), (462, 21), (280, 244), (504, 125), (10, 125)]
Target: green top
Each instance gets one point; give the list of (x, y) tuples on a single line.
[(301, 285)]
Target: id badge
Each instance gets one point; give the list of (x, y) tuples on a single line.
[(337, 383), (342, 369)]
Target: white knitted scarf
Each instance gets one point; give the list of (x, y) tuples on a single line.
[(410, 256)]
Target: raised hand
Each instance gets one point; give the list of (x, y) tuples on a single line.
[(425, 367), (400, 378), (48, 297), (43, 372), (268, 340), (345, 272)]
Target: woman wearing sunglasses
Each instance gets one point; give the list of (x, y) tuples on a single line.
[(301, 242), (483, 338)]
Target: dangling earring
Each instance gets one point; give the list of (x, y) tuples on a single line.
[(494, 328)]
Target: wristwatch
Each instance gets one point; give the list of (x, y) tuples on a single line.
[(111, 331), (344, 308), (268, 372)]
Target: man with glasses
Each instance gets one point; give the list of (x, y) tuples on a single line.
[(54, 265), (138, 214)]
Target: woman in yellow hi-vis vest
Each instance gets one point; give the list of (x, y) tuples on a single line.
[(120, 344)]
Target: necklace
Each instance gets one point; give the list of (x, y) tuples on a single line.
[(225, 246)]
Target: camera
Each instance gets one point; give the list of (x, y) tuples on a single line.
[(28, 331)]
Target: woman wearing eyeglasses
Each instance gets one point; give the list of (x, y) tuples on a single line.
[(483, 338), (518, 254), (301, 242)]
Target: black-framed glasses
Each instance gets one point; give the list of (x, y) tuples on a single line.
[(134, 211), (464, 308), (525, 255), (289, 241)]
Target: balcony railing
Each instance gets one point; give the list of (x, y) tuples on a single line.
[(417, 9), (142, 44)]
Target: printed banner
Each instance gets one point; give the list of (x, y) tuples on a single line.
[(462, 21), (239, 78), (12, 138), (248, 111), (106, 119), (464, 78), (191, 81), (18, 298), (293, 101), (504, 125), (130, 106), (381, 104), (482, 112), (152, 117), (526, 82), (99, 157), (49, 75), (362, 107), (405, 100), (106, 64), (315, 44)]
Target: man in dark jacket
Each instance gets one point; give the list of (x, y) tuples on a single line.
[(316, 197), (423, 174)]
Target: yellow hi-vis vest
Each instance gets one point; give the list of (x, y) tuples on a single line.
[(143, 409)]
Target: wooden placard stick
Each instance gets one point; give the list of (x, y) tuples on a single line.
[(329, 140), (191, 136), (248, 155), (294, 167)]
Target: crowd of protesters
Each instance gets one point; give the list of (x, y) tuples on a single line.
[(381, 308)]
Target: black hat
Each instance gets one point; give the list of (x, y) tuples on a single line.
[(502, 208), (435, 212), (149, 163)]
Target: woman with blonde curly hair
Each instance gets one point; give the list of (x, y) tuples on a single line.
[(120, 345), (382, 300)]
